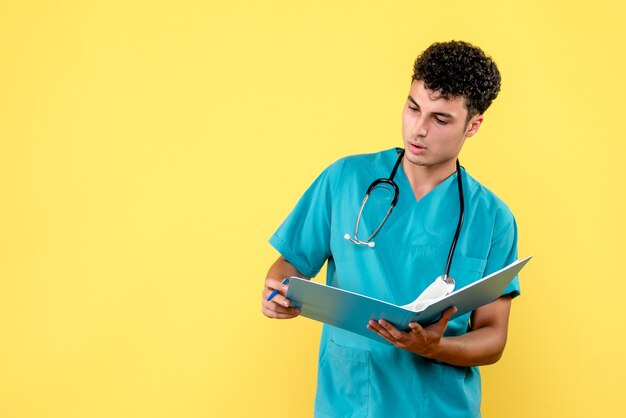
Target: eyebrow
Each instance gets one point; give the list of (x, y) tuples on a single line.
[(444, 114)]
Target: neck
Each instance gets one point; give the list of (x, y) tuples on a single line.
[(425, 178)]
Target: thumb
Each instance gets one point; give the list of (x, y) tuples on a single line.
[(447, 314)]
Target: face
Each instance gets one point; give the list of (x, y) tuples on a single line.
[(434, 128)]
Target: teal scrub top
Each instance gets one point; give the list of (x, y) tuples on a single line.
[(357, 376)]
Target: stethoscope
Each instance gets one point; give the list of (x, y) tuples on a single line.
[(447, 279)]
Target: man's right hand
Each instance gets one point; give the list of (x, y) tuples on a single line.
[(279, 307)]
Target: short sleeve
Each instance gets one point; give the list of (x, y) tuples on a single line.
[(304, 237), (504, 249)]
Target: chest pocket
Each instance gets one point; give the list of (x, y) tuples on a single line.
[(466, 270)]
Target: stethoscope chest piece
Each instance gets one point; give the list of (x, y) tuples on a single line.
[(449, 281)]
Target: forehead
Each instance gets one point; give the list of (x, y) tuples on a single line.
[(434, 101)]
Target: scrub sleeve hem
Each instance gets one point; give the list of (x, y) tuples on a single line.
[(512, 293), (298, 262)]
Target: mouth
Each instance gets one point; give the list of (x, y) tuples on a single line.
[(417, 148)]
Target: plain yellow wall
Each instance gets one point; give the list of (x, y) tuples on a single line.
[(148, 149)]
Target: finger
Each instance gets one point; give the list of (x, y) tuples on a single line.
[(415, 327), (279, 312), (278, 299), (273, 306), (280, 315), (275, 284), (391, 329), (380, 330), (447, 314), (268, 291), (441, 325)]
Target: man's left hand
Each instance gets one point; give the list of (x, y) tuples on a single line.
[(419, 340)]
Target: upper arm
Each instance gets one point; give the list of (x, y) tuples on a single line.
[(304, 236), (494, 316), (284, 268)]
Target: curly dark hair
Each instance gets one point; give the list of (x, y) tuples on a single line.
[(459, 69)]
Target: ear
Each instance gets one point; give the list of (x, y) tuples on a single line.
[(473, 125)]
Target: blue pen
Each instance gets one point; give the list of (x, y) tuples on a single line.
[(275, 292)]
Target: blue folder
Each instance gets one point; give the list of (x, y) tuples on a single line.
[(352, 311)]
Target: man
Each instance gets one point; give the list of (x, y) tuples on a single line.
[(427, 371)]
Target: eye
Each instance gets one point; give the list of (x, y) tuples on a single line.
[(414, 109), (441, 121)]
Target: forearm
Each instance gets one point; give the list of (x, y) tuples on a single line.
[(484, 344), (475, 348)]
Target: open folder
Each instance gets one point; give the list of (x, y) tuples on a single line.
[(352, 311)]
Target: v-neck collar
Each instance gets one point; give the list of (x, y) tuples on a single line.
[(407, 205), (402, 180), (404, 184)]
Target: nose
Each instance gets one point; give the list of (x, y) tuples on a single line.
[(419, 127)]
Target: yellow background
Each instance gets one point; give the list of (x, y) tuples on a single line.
[(148, 149)]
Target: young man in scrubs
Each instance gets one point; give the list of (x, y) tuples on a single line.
[(426, 371)]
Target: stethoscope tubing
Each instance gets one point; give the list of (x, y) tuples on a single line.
[(459, 183), (389, 181)]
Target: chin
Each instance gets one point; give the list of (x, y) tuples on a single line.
[(415, 159)]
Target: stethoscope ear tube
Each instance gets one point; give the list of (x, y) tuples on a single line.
[(461, 217)]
